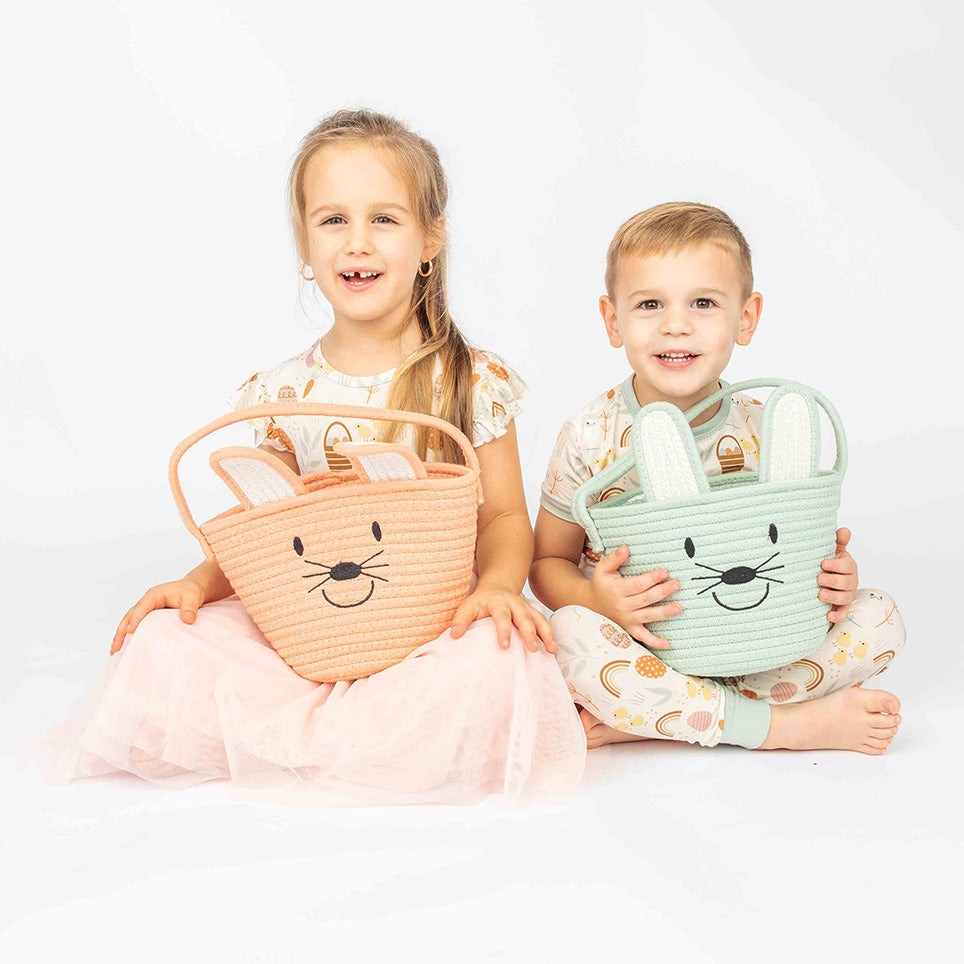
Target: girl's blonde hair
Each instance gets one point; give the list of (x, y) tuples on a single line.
[(412, 388), (672, 227)]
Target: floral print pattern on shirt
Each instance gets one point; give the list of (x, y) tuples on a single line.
[(496, 393)]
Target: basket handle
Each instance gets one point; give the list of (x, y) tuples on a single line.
[(840, 438), (306, 408), (617, 469)]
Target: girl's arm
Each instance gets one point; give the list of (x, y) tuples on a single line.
[(503, 550)]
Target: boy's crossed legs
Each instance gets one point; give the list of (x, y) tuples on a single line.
[(628, 693)]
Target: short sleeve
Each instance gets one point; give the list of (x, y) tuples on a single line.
[(254, 392), (566, 472), (496, 392)]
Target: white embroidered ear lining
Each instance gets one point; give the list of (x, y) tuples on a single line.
[(259, 482), (386, 466), (791, 440), (667, 463)]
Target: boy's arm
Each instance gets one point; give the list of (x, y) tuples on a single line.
[(631, 602), (554, 576)]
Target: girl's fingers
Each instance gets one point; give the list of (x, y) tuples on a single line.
[(527, 627), (464, 617), (522, 616), (503, 625), (139, 611), (121, 633), (545, 632)]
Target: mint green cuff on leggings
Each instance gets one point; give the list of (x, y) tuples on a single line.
[(746, 722)]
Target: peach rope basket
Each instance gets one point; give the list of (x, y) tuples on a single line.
[(345, 573)]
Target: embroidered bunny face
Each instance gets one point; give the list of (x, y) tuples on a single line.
[(746, 547), (740, 575), (349, 583)]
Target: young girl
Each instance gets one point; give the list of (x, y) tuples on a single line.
[(198, 693)]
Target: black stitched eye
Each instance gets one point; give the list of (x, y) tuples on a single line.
[(689, 547), (377, 531), (773, 533), (299, 548)]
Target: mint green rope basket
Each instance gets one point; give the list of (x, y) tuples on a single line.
[(746, 547)]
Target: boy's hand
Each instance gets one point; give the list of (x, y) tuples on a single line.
[(506, 608), (839, 577), (183, 594), (629, 600)]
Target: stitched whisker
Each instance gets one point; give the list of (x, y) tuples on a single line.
[(708, 588), (703, 577), (771, 569), (372, 556), (310, 563), (765, 561), (323, 581), (720, 571), (369, 575), (770, 579)]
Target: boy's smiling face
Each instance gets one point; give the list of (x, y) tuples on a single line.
[(678, 316)]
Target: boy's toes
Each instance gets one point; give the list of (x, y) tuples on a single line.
[(880, 701), (881, 721), (873, 750)]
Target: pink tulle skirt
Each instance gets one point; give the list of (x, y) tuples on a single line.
[(455, 721)]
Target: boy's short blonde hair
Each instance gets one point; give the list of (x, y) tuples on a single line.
[(672, 227)]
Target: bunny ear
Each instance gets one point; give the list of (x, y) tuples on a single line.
[(790, 436), (666, 456), (255, 476), (382, 461)]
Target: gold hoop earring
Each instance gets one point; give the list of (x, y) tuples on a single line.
[(303, 275), (431, 268)]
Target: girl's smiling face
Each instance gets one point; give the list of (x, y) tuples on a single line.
[(364, 242), (678, 315)]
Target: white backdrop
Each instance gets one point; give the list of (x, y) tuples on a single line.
[(148, 269)]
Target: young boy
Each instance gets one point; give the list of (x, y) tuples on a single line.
[(679, 296)]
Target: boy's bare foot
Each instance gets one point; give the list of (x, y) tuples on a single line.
[(598, 734), (850, 719)]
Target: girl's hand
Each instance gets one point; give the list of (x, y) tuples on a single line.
[(506, 608), (630, 600), (839, 579), (184, 594)]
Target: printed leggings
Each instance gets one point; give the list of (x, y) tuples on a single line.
[(627, 686)]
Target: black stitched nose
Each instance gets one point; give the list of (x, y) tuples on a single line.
[(349, 570), (734, 576)]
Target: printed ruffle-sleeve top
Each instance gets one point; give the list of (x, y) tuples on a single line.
[(308, 377), (600, 433)]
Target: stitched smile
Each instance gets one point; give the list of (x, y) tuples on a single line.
[(736, 609), (350, 605)]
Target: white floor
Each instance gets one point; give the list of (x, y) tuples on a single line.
[(722, 855)]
